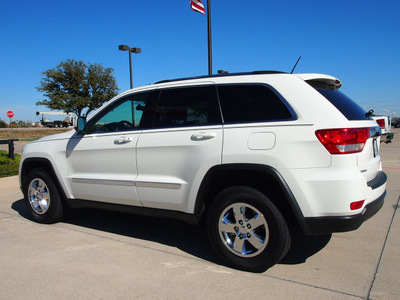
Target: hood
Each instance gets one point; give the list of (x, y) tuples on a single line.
[(58, 136)]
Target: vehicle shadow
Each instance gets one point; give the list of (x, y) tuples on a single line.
[(304, 247), (188, 238)]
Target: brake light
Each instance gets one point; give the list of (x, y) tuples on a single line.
[(343, 140), (381, 123)]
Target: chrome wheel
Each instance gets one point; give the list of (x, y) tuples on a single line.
[(39, 196), (243, 229)]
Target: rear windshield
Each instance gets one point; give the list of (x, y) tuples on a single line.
[(348, 107)]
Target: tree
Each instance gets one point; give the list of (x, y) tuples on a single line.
[(22, 124), (74, 86)]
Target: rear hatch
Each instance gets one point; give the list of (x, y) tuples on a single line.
[(367, 151)]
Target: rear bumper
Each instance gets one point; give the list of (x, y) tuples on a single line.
[(324, 225), (387, 137)]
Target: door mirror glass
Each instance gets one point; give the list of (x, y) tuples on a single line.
[(80, 124)]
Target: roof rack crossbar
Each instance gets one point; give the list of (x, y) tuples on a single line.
[(222, 75)]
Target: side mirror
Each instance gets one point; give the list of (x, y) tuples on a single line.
[(80, 124)]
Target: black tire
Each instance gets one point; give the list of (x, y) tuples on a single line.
[(255, 238), (42, 198)]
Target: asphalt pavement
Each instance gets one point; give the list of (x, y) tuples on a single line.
[(105, 255)]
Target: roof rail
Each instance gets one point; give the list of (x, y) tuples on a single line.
[(222, 75)]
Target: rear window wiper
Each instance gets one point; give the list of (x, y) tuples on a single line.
[(369, 113)]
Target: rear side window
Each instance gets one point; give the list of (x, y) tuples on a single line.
[(348, 107), (189, 106), (251, 103)]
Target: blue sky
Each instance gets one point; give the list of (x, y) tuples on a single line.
[(356, 41)]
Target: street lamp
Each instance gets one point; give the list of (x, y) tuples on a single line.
[(131, 50)]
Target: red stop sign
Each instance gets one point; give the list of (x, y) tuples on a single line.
[(10, 114)]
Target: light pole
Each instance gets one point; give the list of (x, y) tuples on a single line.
[(131, 50)]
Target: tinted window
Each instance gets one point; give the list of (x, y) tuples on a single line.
[(251, 103), (129, 113), (191, 106), (350, 109)]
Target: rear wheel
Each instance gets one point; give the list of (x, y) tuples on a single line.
[(247, 230), (42, 197)]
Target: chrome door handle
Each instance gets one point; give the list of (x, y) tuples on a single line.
[(122, 140), (201, 136)]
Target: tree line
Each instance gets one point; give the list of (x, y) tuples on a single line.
[(15, 124)]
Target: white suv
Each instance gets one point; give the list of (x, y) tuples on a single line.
[(258, 155)]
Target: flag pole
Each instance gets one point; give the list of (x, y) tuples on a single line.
[(209, 38)]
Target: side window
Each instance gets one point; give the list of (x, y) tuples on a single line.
[(129, 113), (251, 103), (189, 106)]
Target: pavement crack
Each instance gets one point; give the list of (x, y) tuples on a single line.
[(314, 286), (7, 215), (111, 237), (396, 207)]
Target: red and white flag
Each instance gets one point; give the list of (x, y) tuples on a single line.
[(197, 5)]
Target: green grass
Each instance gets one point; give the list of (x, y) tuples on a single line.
[(8, 167)]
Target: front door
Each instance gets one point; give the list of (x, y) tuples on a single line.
[(102, 163)]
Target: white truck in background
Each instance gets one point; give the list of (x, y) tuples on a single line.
[(384, 123), (45, 121)]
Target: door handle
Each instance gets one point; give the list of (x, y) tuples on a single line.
[(122, 140), (201, 136)]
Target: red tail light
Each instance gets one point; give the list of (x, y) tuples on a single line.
[(381, 123), (343, 140)]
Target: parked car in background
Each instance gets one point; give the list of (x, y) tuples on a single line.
[(384, 123)]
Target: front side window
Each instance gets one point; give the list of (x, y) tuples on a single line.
[(251, 103), (188, 106), (129, 113)]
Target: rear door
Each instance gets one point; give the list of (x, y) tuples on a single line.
[(184, 143)]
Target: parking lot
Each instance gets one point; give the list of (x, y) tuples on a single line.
[(105, 255)]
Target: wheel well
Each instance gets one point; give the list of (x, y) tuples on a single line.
[(39, 163), (262, 178)]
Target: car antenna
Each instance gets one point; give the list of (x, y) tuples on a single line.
[(295, 65)]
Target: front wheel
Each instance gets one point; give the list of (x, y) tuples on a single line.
[(247, 230), (42, 197)]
